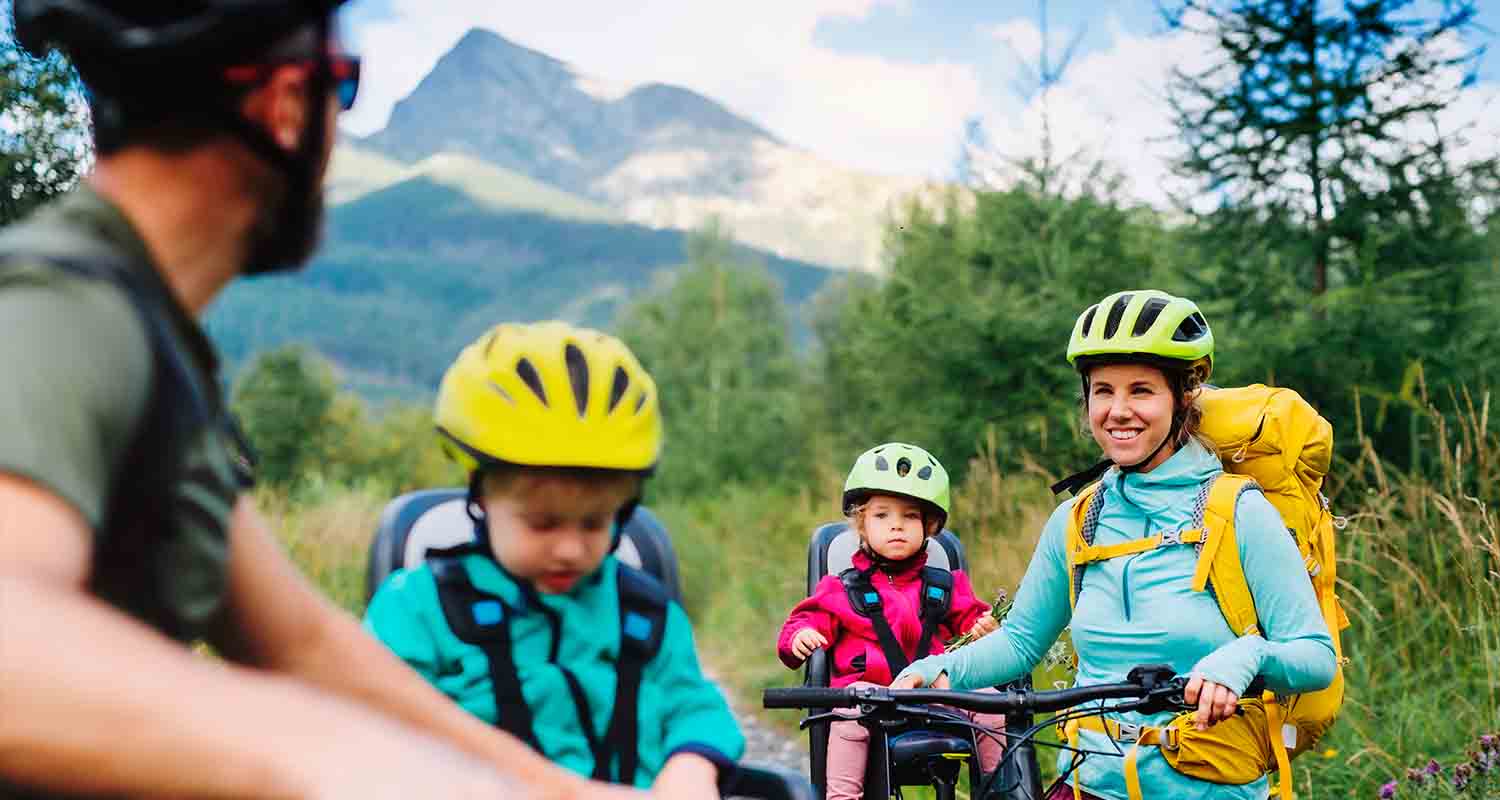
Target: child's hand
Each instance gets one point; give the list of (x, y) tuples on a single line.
[(806, 641), (984, 626), (687, 776)]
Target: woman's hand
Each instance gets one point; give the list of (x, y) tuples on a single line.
[(912, 680), (1215, 702), (806, 641), (983, 626)]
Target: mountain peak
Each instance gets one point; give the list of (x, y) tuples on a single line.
[(517, 108), (485, 42)]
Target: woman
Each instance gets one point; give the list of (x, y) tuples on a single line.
[(1142, 357)]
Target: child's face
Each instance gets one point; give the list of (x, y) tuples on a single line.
[(892, 526), (553, 530)]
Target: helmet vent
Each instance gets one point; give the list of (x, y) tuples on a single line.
[(1193, 328), (617, 388), (881, 464), (903, 466), (640, 404), (1116, 313), (1148, 315), (578, 376), (501, 391), (924, 473), (1088, 318), (528, 374)]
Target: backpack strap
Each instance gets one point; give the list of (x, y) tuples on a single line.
[(1082, 521), (866, 602), (482, 619), (643, 623), (937, 601), (1219, 560)]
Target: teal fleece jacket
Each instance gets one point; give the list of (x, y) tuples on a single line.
[(679, 709), (1141, 609)]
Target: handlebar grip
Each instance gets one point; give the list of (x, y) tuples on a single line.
[(806, 697)]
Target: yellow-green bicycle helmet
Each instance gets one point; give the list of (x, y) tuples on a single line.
[(1145, 323)]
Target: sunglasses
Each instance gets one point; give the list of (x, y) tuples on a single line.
[(344, 68)]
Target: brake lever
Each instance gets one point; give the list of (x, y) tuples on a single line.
[(1169, 696), (827, 716)]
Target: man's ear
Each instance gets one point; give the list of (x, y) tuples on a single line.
[(279, 106)]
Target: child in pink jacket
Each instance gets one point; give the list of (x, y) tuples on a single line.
[(896, 497)]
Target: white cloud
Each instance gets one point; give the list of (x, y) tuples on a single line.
[(1110, 105), (1022, 36), (760, 59)]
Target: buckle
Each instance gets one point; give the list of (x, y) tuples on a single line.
[(1129, 732), (1170, 538)]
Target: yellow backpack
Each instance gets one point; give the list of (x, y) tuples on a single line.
[(1273, 439)]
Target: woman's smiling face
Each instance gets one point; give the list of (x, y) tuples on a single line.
[(1130, 413)]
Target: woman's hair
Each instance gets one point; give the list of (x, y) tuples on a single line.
[(1183, 382)]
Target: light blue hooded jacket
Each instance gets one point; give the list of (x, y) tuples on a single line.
[(1141, 609)]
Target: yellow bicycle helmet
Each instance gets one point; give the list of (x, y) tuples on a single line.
[(549, 394), (1145, 323)]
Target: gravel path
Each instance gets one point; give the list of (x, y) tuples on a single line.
[(766, 745)]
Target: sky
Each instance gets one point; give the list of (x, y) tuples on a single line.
[(884, 86)]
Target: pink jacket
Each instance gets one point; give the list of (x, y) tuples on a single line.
[(855, 649)]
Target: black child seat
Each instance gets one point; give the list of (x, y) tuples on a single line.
[(912, 757), (420, 524)]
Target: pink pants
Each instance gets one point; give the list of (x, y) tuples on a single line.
[(849, 745)]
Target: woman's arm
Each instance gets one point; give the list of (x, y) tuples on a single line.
[(1294, 651), (1040, 613)]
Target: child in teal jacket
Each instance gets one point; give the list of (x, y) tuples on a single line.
[(525, 628)]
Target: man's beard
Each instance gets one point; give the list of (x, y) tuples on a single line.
[(286, 230)]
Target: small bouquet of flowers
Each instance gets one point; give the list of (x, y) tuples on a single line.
[(998, 610)]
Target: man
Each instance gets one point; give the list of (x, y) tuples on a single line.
[(124, 518)]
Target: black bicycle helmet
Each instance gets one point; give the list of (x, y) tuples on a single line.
[(106, 38)]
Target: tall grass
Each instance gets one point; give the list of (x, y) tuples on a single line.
[(1418, 576)]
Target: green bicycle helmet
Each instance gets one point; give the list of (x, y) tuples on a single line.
[(899, 469), (1145, 323)]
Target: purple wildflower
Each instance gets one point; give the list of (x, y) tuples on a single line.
[(1432, 767), (1388, 791), (1416, 776), (1461, 775), (1489, 742)]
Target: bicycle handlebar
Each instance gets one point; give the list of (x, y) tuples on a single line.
[(1156, 683)]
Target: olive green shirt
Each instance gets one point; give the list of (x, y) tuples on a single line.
[(84, 379)]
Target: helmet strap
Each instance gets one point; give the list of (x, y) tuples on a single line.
[(475, 509)]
